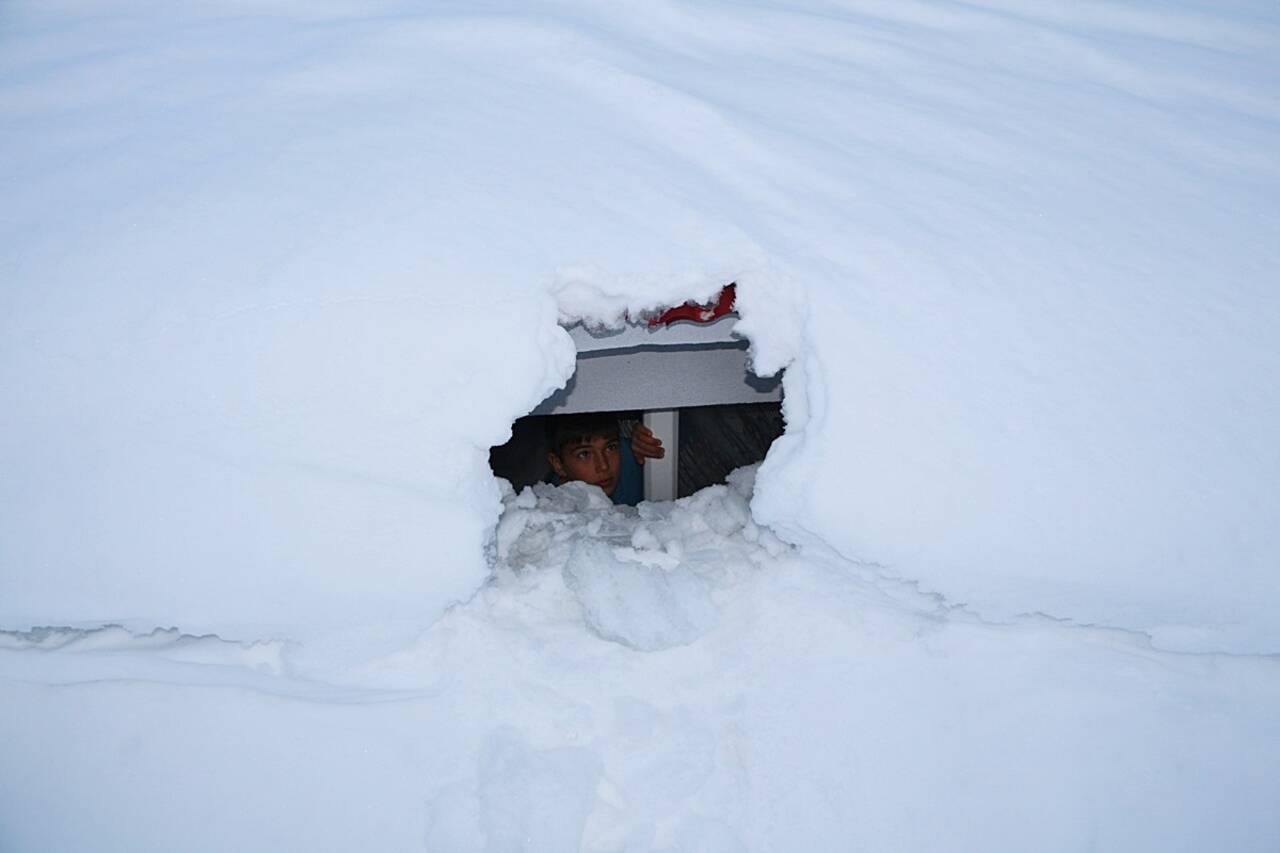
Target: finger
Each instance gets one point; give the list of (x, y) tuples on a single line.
[(647, 440), (655, 454)]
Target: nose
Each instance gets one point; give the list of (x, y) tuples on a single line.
[(602, 467)]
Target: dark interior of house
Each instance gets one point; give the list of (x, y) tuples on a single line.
[(713, 441)]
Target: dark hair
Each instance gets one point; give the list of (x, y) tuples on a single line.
[(579, 429)]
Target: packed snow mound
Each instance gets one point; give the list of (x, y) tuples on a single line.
[(642, 576), (810, 705), (276, 275)]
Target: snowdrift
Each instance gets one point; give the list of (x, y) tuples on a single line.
[(275, 277)]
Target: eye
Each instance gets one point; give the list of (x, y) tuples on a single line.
[(583, 454), (613, 445)]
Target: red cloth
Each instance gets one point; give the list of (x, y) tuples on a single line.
[(699, 313)]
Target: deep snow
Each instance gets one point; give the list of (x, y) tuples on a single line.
[(275, 275), (672, 678)]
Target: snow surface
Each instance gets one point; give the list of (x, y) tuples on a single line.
[(274, 276), (761, 698)]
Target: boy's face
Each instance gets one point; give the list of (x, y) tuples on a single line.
[(595, 461)]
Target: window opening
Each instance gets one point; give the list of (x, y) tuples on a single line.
[(680, 373)]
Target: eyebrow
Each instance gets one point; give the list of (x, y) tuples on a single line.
[(581, 444)]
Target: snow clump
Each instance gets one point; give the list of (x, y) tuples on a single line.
[(643, 576)]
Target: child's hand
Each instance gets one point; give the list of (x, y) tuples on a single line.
[(645, 445)]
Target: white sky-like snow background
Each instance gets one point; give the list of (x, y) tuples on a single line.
[(275, 275)]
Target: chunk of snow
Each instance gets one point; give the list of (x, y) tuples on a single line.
[(641, 606)]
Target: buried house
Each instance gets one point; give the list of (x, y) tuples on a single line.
[(275, 278)]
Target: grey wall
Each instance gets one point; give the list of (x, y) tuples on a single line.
[(661, 378)]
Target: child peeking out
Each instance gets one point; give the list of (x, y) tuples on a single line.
[(591, 447)]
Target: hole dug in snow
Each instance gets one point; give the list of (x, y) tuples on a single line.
[(682, 377)]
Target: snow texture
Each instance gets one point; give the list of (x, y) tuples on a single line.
[(820, 707), (274, 276)]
